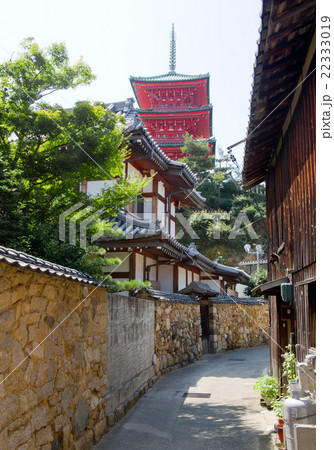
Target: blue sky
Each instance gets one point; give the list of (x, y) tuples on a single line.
[(123, 38)]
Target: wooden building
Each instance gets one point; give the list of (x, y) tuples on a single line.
[(149, 248), (173, 104), (280, 150)]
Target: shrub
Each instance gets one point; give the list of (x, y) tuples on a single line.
[(267, 387)]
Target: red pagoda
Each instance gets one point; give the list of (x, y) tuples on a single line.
[(172, 104)]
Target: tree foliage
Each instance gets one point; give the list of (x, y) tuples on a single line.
[(47, 150), (226, 204), (197, 156), (260, 277)]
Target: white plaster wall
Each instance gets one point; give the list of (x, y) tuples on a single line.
[(161, 189), (172, 230), (149, 187), (139, 267), (172, 209), (213, 284), (153, 271), (166, 278), (189, 276), (161, 213), (94, 187), (132, 170), (196, 277), (182, 278), (148, 206), (240, 288)]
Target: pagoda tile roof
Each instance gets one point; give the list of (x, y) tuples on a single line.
[(138, 233), (211, 140), (174, 110), (169, 77)]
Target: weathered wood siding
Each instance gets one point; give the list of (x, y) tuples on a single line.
[(291, 217), (291, 191)]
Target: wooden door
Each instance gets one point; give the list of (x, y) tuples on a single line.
[(205, 327)]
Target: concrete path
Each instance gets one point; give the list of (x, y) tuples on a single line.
[(207, 405)]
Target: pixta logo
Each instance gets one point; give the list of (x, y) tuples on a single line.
[(91, 218)]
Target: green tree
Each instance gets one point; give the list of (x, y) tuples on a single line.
[(220, 185), (197, 156), (258, 278), (46, 151)]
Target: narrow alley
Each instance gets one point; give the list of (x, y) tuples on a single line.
[(207, 405)]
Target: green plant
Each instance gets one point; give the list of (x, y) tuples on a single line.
[(260, 277), (267, 387), (277, 405), (289, 371), (288, 365)]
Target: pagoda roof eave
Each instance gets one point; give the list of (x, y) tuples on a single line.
[(176, 111), (169, 77)]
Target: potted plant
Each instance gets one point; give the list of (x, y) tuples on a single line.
[(289, 372), (267, 388), (277, 406)]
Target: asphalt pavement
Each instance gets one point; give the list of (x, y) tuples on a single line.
[(210, 404)]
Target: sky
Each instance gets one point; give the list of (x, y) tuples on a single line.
[(122, 38)]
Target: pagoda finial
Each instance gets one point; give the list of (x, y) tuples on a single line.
[(172, 52)]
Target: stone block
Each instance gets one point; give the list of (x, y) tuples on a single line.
[(99, 429), (38, 304), (5, 299), (85, 442), (44, 436), (7, 318), (80, 418), (170, 360), (50, 292), (5, 360), (4, 438), (40, 417), (19, 437), (8, 410), (4, 284), (66, 398), (18, 293), (21, 333), (57, 443), (6, 341), (50, 321), (38, 351), (120, 412), (111, 420), (163, 362), (67, 437), (62, 380)]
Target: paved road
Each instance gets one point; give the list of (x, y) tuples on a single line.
[(207, 405)]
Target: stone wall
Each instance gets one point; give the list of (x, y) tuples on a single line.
[(238, 325), (95, 353), (177, 334), (54, 399)]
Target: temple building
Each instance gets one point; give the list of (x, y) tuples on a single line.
[(172, 104), (148, 248)]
